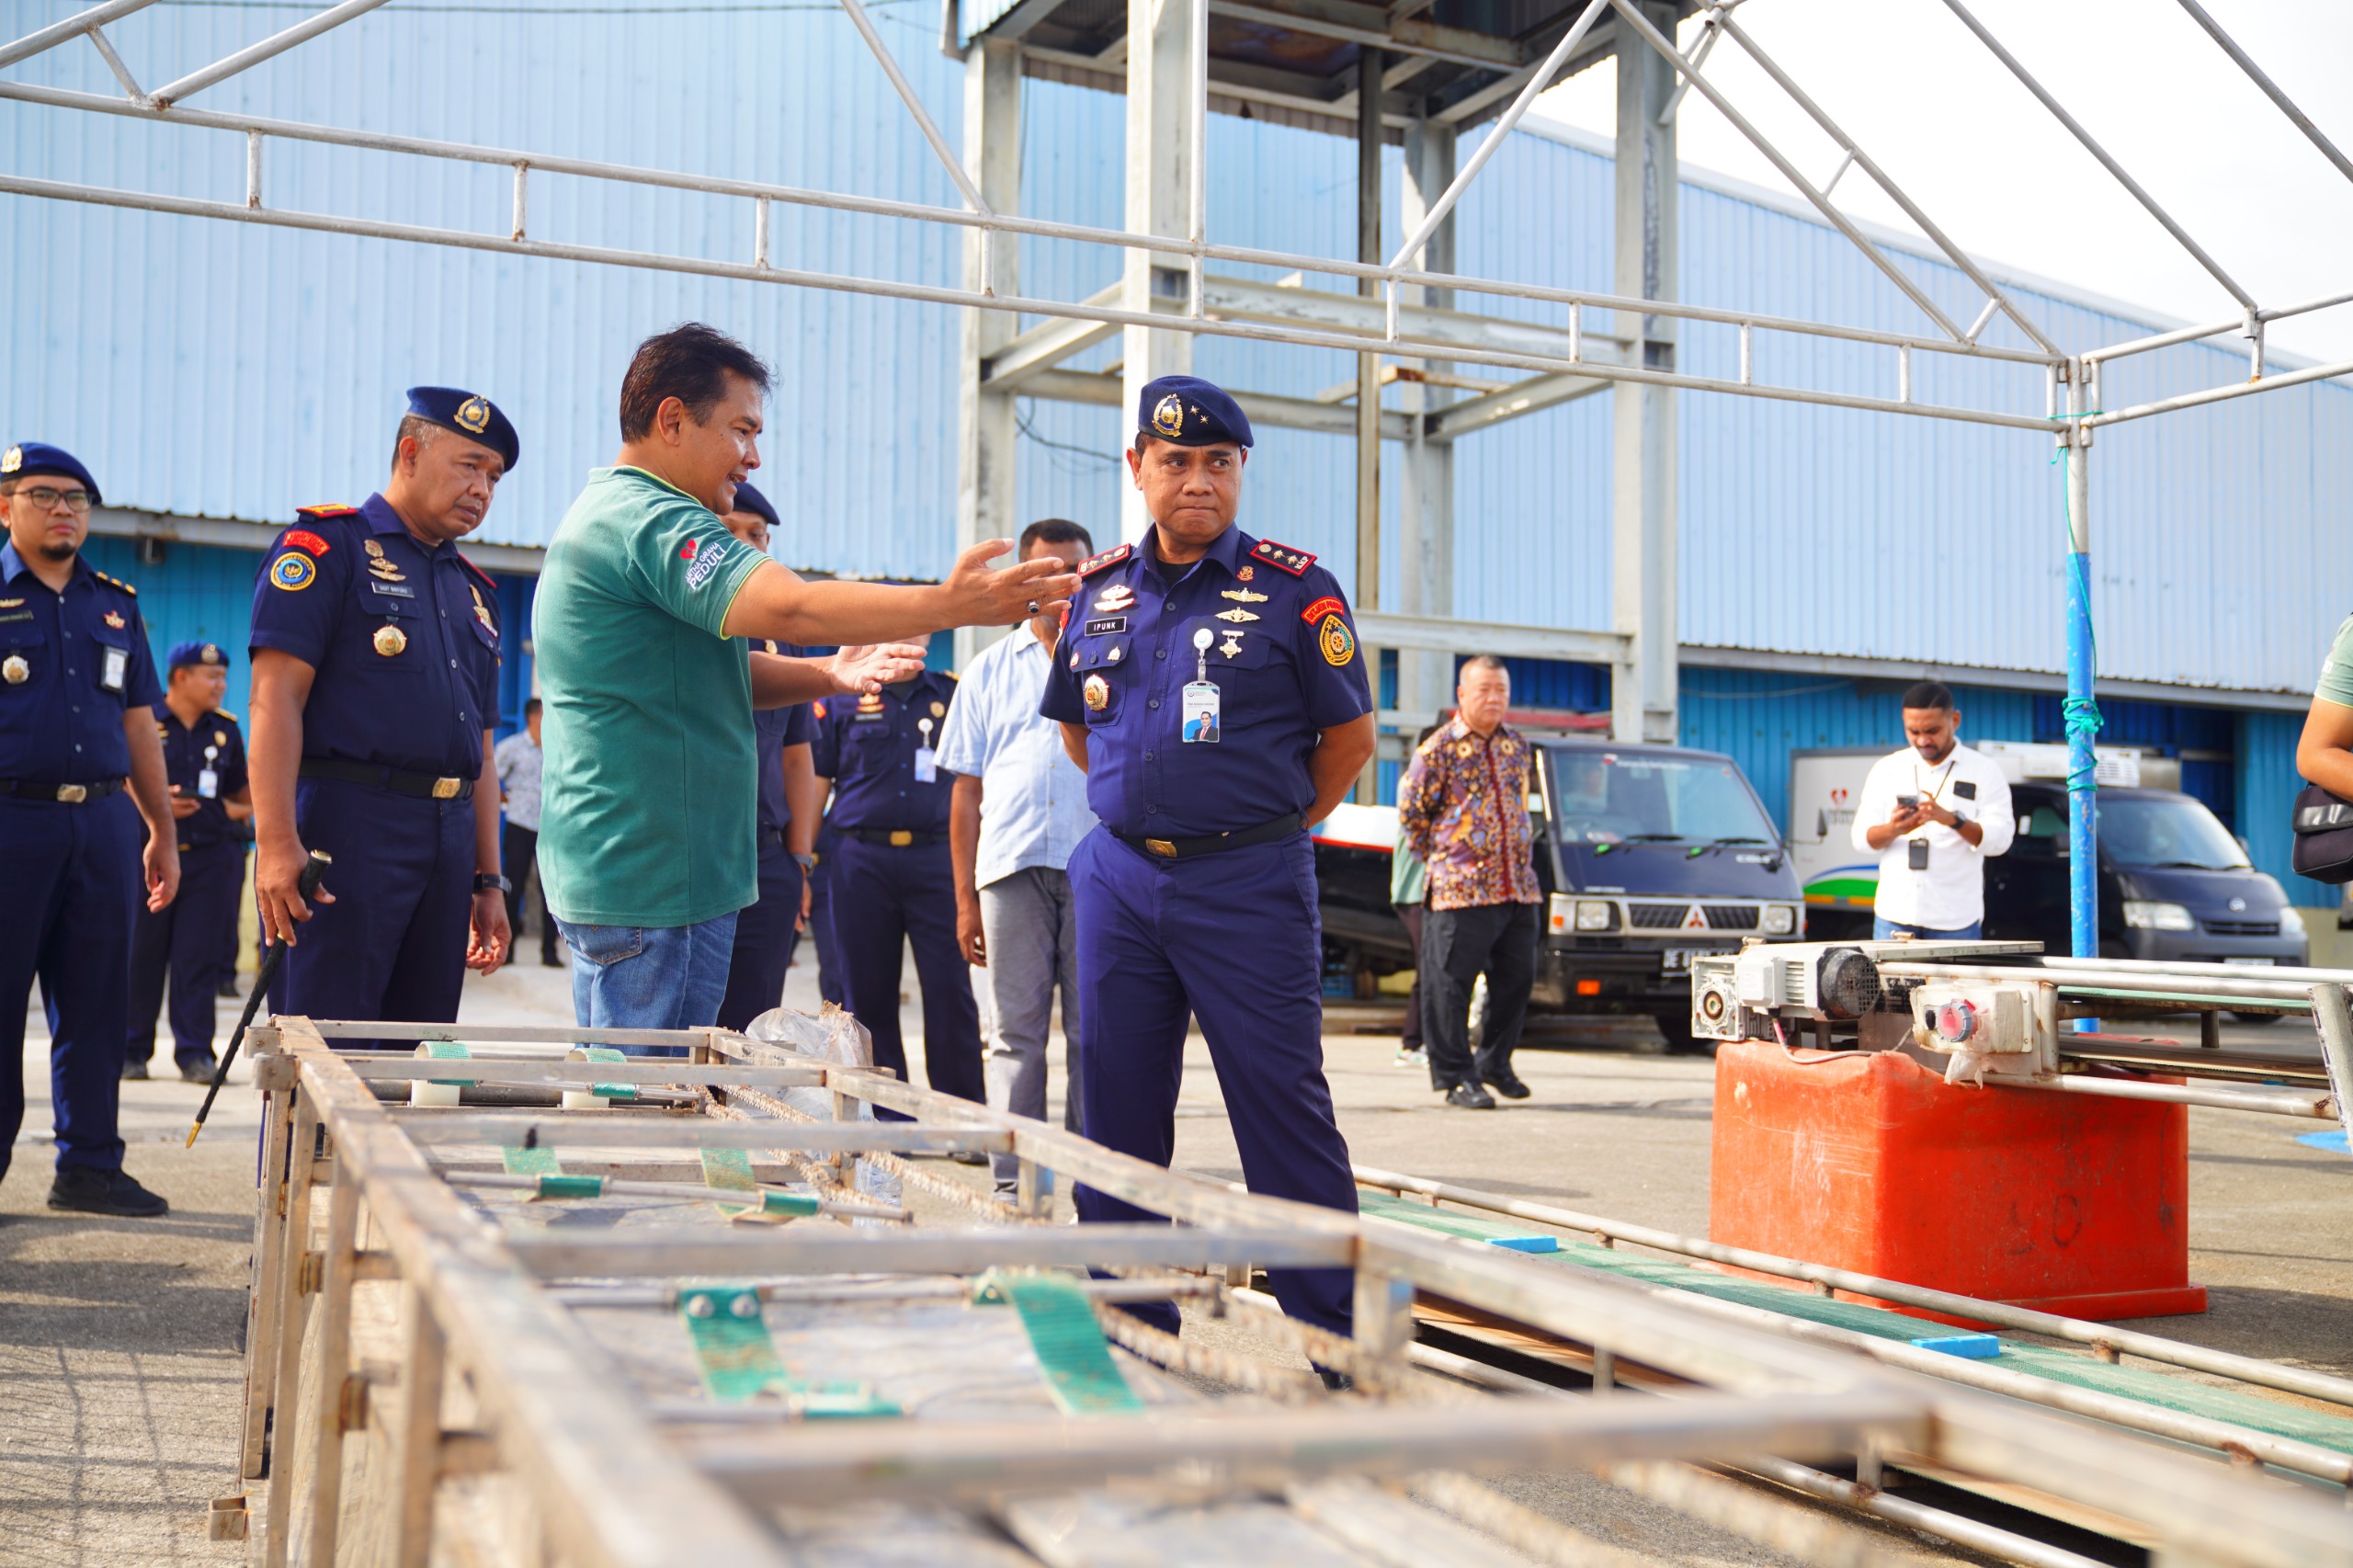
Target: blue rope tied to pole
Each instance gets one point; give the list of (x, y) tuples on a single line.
[(2081, 714)]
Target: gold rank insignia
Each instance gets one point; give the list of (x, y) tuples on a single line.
[(1243, 595), (14, 670), (473, 415), (1097, 692), (389, 640), (372, 547), (1237, 614), (481, 612), (871, 702), (1168, 415), (940, 711), (210, 654), (10, 604), (14, 460), (116, 620), (1232, 645)]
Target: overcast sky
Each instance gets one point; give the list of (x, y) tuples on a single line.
[(1985, 161)]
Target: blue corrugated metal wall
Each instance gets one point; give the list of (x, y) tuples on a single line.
[(2266, 786)]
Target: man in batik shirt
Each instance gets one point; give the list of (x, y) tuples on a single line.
[(1462, 807)]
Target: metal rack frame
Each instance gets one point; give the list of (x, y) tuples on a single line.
[(1401, 309), (496, 1378)]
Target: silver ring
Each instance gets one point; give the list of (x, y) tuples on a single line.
[(1034, 607)]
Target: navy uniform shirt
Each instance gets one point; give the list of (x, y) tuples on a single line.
[(776, 729), (71, 666), (404, 640), (212, 742), (1282, 653), (867, 746)]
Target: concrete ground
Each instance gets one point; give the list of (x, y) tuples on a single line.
[(120, 1378)]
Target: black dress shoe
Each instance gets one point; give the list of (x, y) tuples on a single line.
[(229, 990), (1509, 1086), (134, 1072), (1335, 1382), (104, 1192), (970, 1157), (549, 960), (1470, 1096), (197, 1072)]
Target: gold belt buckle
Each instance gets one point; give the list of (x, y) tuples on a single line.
[(1161, 847), (901, 837), (445, 789), (73, 794)]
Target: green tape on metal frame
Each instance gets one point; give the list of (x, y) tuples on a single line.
[(448, 1050), (1068, 1341), (738, 1361), (730, 1170), (610, 1091), (531, 1162), (788, 1205), (571, 1187)]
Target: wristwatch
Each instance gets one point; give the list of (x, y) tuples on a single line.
[(486, 881), (808, 862)]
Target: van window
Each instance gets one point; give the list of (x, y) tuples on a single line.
[(1607, 796)]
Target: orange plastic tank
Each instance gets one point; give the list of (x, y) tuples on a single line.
[(1865, 1160)]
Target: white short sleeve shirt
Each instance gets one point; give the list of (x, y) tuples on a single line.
[(1950, 894)]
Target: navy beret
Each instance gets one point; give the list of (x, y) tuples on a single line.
[(207, 653), (1187, 411), (28, 458), (470, 415), (750, 500)]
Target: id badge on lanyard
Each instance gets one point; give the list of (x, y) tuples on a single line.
[(1201, 697), (926, 758)]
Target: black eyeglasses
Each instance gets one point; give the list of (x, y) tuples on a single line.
[(43, 498)]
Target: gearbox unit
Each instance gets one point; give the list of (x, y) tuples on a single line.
[(1737, 996)]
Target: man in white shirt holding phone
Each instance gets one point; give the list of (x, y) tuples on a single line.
[(1933, 812)]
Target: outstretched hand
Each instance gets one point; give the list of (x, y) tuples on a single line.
[(981, 594), (871, 667)]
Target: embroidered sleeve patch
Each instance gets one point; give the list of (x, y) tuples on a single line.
[(293, 571), (1338, 643), (303, 539), (1325, 606)]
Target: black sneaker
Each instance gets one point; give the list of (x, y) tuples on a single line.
[(970, 1157), (1470, 1096), (134, 1072), (1509, 1086), (194, 1071), (104, 1192)]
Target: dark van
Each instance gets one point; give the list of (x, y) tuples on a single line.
[(2173, 884)]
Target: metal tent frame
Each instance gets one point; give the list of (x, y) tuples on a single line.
[(1403, 308)]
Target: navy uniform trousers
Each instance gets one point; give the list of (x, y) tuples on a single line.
[(821, 917), (392, 943), (766, 934), (1235, 938), (184, 938), (73, 888), (881, 896)]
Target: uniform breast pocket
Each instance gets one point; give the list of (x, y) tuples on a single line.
[(1251, 673), (1103, 677), (23, 654), (393, 634), (110, 659)]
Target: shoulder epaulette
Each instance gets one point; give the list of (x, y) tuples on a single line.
[(328, 509), (1112, 557), (951, 674), (224, 713), (1283, 558), (116, 582)]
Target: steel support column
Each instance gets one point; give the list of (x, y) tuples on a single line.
[(1370, 63), (1643, 685), (2083, 730), (1159, 180), (1425, 554), (984, 420)]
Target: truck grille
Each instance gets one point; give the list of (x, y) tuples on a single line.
[(2243, 927), (1670, 916)]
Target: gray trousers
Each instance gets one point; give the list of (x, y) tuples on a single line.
[(1031, 931)]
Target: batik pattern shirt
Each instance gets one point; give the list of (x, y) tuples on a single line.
[(1462, 807)]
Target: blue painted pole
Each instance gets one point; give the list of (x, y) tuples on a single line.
[(2082, 714)]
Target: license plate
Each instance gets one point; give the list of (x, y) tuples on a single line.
[(1678, 960), (2250, 963)]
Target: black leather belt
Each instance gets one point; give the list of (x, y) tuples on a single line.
[(1210, 843), (52, 789), (897, 838), (399, 780), (771, 836)]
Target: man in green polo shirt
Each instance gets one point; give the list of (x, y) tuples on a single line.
[(648, 817)]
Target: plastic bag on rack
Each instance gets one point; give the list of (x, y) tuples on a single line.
[(837, 1039)]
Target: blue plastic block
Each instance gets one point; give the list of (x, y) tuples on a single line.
[(2335, 1141), (1975, 1347), (1525, 1243)]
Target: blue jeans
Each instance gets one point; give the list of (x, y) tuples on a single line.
[(1886, 930), (649, 977)]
